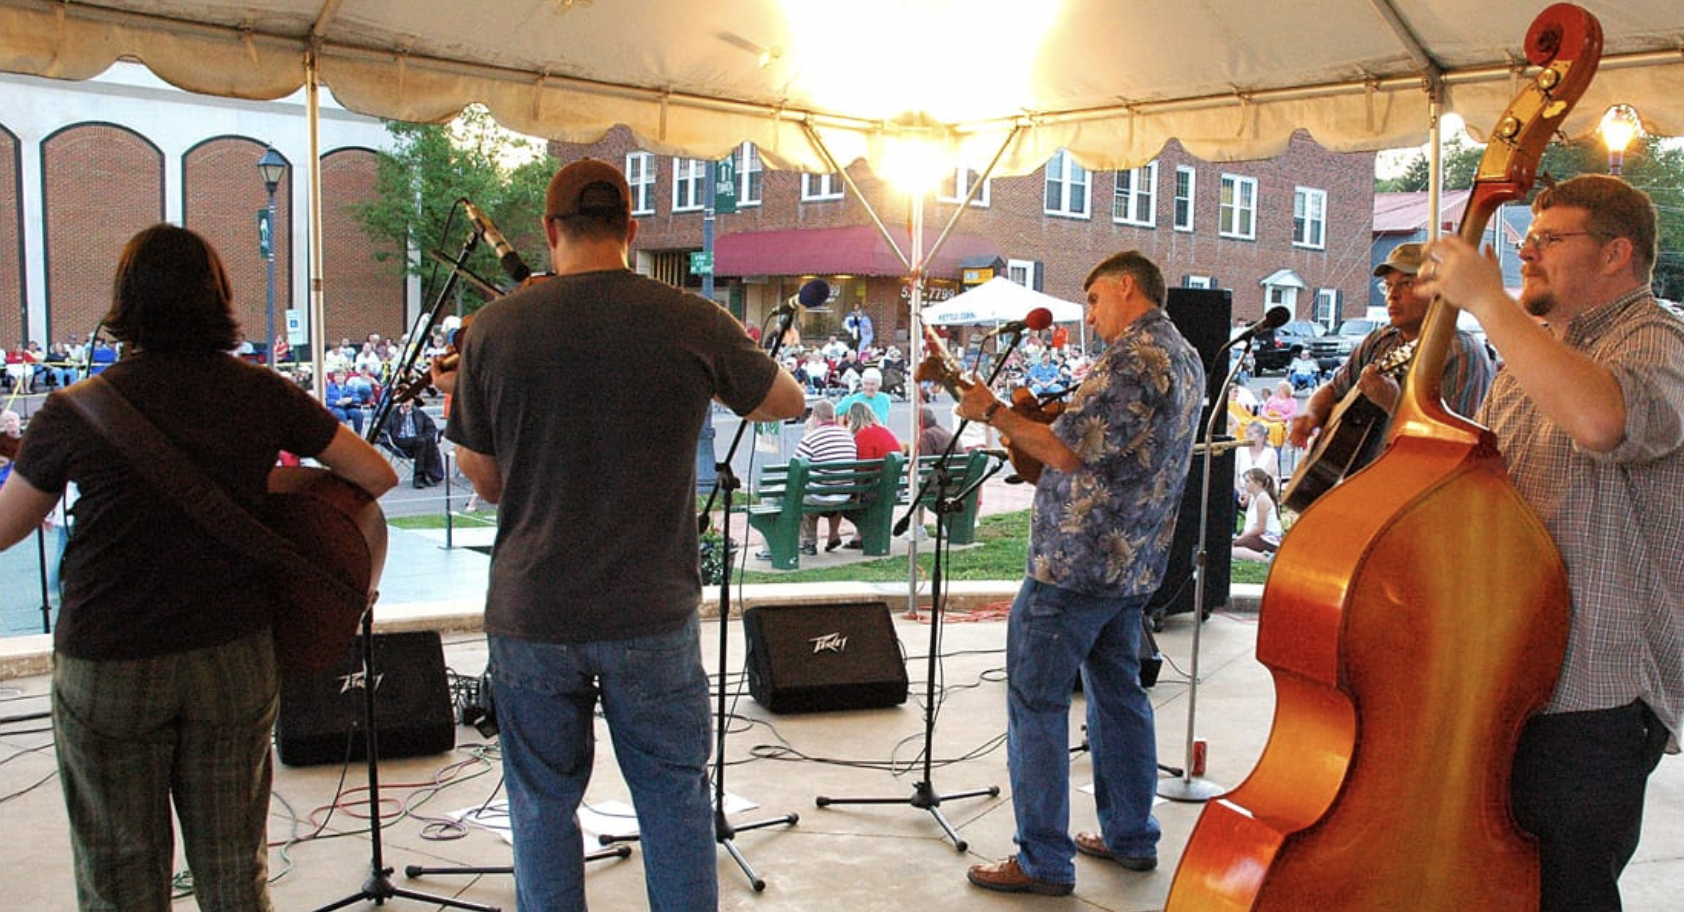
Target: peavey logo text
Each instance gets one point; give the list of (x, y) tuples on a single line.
[(829, 642), (357, 680)]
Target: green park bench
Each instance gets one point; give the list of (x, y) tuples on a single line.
[(871, 485), (964, 470)]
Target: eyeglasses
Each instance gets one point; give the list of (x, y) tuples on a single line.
[(1386, 287), (1543, 240)]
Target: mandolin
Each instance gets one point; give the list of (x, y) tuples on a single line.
[(1414, 617), (1348, 441)]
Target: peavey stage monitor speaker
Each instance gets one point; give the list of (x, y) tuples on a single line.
[(811, 658), (321, 718)]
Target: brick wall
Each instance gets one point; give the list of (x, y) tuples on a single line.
[(361, 294), (222, 195), (101, 185), (12, 302)]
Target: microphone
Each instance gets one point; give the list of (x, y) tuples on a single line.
[(812, 294), (506, 253), (1039, 318), (995, 452), (1276, 317)]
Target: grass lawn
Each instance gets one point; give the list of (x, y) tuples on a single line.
[(1004, 538)]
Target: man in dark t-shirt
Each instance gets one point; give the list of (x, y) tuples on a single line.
[(594, 575)]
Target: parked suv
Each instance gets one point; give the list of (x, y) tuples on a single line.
[(1273, 351), (1331, 350)]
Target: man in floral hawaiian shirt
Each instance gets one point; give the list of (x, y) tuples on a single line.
[(1105, 507)]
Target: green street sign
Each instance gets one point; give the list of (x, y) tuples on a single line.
[(725, 185), (701, 263)]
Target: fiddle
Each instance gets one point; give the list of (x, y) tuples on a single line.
[(939, 366), (1040, 410)]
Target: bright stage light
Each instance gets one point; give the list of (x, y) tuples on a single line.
[(950, 60)]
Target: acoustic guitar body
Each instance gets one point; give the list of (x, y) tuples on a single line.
[(1400, 696), (340, 528)]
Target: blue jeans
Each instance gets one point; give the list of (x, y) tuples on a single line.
[(654, 693), (1052, 635)]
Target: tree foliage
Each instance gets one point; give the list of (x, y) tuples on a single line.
[(1651, 165), (429, 169)]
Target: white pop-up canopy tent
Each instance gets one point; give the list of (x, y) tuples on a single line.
[(998, 300)]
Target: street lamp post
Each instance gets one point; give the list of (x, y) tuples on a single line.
[(1618, 128), (272, 167)]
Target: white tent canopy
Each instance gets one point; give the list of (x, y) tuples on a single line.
[(998, 300), (1109, 80)]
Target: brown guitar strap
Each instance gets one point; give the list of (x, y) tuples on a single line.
[(164, 464)]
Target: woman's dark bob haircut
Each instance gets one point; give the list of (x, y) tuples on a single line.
[(172, 294)]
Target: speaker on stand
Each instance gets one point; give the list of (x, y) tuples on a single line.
[(1205, 318)]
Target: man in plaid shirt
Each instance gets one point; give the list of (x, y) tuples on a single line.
[(1589, 415)]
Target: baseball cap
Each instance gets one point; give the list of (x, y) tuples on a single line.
[(1404, 258), (586, 185)]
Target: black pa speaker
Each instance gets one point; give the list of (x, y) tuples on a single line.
[(1205, 318), (321, 718), (812, 658), (1175, 595)]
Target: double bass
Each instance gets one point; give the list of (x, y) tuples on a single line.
[(1413, 619)]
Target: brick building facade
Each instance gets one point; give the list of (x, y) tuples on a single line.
[(1274, 251), (85, 165)]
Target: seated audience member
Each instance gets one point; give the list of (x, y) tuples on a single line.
[(871, 393), (411, 431), (1262, 533), (932, 437), (825, 441), (1281, 404), (1304, 372), (815, 372), (1256, 454), (1044, 376), (872, 440), (10, 426), (342, 401)]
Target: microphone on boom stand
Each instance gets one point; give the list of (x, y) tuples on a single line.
[(513, 265)]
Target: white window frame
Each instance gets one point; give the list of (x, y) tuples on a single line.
[(689, 184), (1309, 218), (1064, 178), (1238, 218), (640, 178), (1198, 281), (1135, 199), (750, 175), (1184, 196), (820, 187), (1022, 272), (955, 186), (1326, 310)]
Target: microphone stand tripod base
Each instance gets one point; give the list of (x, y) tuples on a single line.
[(1190, 789)]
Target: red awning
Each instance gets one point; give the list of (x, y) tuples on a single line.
[(858, 250)]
